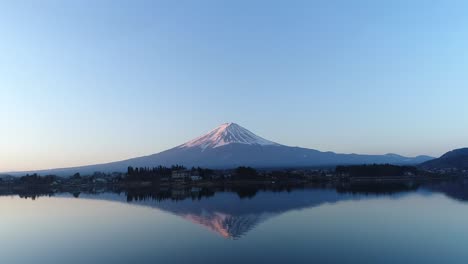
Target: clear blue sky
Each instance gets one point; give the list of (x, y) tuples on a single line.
[(86, 82)]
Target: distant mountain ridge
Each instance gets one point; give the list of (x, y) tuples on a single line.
[(457, 159), (230, 145)]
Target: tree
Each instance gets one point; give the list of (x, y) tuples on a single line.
[(245, 173)]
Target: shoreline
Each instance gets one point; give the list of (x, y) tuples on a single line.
[(122, 186)]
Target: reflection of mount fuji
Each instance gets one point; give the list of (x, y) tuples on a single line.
[(235, 212), (228, 226), (231, 216)]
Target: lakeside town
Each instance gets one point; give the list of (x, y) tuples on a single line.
[(178, 176)]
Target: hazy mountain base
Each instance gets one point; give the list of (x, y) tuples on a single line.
[(229, 146), (234, 155)]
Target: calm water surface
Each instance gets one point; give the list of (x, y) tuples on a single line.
[(427, 225)]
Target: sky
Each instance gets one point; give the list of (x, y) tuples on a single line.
[(85, 82)]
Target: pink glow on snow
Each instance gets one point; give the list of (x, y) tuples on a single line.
[(225, 134)]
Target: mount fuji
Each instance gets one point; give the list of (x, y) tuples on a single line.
[(230, 145)]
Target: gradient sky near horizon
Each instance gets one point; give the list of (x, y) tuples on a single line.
[(85, 82)]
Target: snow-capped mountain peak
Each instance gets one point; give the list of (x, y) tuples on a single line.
[(228, 133)]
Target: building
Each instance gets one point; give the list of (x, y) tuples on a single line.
[(195, 178), (180, 174)]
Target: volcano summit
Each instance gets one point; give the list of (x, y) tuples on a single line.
[(225, 134)]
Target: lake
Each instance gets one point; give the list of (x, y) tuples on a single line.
[(422, 224)]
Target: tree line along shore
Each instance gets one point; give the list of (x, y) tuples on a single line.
[(179, 175)]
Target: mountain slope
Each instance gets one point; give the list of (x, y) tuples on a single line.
[(225, 134), (231, 145), (457, 159)]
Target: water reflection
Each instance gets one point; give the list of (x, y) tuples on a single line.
[(233, 212), (457, 189)]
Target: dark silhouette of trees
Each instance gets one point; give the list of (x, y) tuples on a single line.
[(204, 173), (35, 179), (375, 170), (146, 174), (155, 174), (151, 174), (245, 173), (178, 167)]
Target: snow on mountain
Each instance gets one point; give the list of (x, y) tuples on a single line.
[(225, 134), (231, 146)]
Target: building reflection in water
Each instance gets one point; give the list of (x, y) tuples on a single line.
[(233, 212)]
